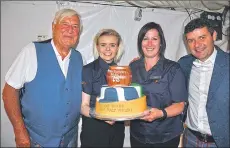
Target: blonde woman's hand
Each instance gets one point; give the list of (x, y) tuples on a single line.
[(110, 122)]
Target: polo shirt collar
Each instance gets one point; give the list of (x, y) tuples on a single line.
[(104, 65), (159, 64)]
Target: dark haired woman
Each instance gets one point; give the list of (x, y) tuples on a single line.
[(164, 85)]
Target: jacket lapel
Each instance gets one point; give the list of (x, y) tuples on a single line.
[(218, 73)]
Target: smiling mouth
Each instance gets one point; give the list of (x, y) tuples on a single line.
[(107, 54), (149, 49), (199, 50), (70, 37)]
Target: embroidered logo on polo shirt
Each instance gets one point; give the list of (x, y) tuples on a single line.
[(155, 78)]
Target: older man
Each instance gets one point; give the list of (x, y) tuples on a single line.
[(207, 72), (42, 94)]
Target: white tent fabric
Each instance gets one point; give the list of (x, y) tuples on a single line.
[(122, 19), (198, 4)]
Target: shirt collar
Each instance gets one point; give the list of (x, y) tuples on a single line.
[(105, 65), (159, 64), (57, 53)]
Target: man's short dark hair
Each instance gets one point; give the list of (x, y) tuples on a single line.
[(198, 23)]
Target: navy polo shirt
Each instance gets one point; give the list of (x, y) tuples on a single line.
[(93, 77), (163, 85)]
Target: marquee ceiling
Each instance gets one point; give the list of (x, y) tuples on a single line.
[(205, 5)]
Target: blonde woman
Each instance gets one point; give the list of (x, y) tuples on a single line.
[(97, 133)]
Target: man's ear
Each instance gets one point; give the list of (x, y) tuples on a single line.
[(214, 35)]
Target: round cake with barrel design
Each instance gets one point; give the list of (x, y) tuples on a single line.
[(120, 99)]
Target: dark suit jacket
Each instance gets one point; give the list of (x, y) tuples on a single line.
[(218, 96)]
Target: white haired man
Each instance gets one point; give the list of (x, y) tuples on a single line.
[(42, 94)]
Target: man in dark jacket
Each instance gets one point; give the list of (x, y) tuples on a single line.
[(207, 72)]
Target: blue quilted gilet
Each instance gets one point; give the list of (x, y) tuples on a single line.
[(50, 102)]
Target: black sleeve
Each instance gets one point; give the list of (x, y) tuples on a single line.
[(87, 77)]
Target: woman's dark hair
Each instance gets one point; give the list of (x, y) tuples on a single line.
[(144, 30)]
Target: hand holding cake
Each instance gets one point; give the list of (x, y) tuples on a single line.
[(152, 114), (110, 122)]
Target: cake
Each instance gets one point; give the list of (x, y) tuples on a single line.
[(120, 99)]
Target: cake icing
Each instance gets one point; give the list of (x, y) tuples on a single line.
[(121, 102), (125, 93)]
